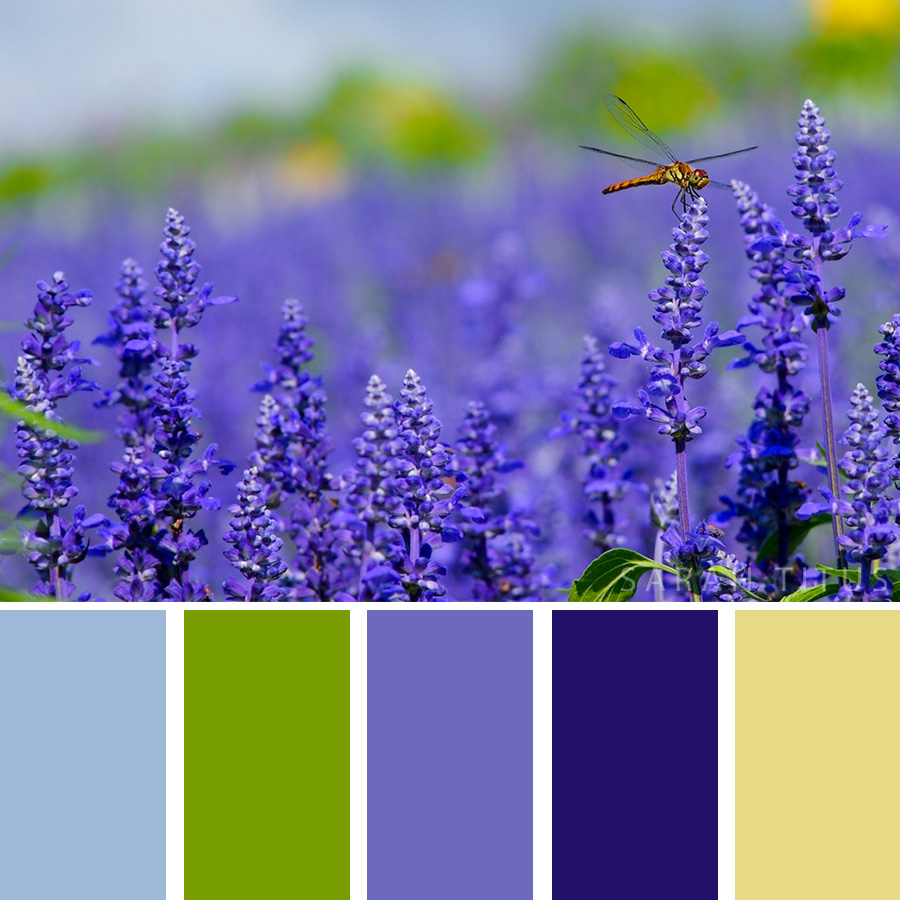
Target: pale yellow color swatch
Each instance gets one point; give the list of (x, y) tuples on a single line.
[(817, 754)]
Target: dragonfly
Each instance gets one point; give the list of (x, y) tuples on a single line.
[(688, 180)]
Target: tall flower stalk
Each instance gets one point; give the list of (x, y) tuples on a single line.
[(426, 481), (815, 204), (767, 498), (678, 307), (161, 488), (292, 449), (48, 371), (372, 496), (867, 506), (497, 546), (256, 547), (606, 481)]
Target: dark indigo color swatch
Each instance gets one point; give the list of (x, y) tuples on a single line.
[(635, 762), (82, 755), (449, 755)]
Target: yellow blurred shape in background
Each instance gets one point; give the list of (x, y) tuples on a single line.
[(313, 169), (848, 16)]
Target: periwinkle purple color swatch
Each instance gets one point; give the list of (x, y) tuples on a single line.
[(635, 761), (449, 755)]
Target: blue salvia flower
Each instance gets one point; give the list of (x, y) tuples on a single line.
[(606, 481), (868, 506), (426, 483), (783, 349), (294, 348), (679, 304), (292, 459), (815, 204), (699, 553), (692, 554), (47, 372), (889, 382), (178, 490), (179, 303), (134, 536), (130, 334), (372, 496), (767, 498), (721, 589), (160, 487), (256, 547), (497, 547)]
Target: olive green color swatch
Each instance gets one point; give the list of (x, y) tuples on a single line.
[(267, 754)]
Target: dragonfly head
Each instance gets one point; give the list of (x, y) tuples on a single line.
[(699, 179)]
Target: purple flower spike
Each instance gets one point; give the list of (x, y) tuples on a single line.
[(868, 506), (678, 309), (160, 488), (889, 381), (426, 481), (767, 497), (595, 421), (48, 371), (131, 332), (292, 449), (497, 542), (256, 547), (372, 496), (180, 304), (814, 195)]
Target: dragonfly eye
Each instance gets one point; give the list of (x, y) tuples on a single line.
[(700, 178)]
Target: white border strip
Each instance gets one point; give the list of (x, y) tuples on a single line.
[(358, 755), (542, 785), (726, 754), (174, 754)]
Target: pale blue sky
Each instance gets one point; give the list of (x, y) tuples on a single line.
[(69, 69)]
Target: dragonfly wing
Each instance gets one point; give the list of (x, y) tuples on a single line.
[(629, 120), (690, 162), (640, 164)]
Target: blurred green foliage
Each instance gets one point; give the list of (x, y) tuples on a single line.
[(365, 119)]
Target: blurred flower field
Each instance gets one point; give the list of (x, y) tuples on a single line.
[(486, 287)]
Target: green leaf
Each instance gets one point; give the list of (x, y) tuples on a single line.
[(613, 577), (894, 576), (797, 532), (811, 594), (851, 575), (8, 595), (15, 409)]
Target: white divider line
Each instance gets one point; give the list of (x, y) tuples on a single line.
[(542, 785), (174, 754), (726, 754), (358, 744)]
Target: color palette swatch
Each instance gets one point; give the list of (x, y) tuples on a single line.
[(635, 777), (449, 755), (817, 786), (267, 754), (452, 746), (82, 755)]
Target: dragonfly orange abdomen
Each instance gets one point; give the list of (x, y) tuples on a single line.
[(687, 179)]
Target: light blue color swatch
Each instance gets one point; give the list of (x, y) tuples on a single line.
[(82, 755)]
